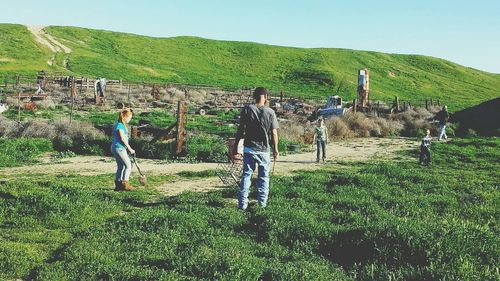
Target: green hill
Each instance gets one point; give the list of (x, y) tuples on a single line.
[(191, 60)]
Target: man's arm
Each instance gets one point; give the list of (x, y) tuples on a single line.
[(275, 142), (274, 134), (239, 134)]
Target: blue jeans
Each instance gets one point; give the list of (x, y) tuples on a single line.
[(320, 144), (123, 162), (263, 160), (442, 132)]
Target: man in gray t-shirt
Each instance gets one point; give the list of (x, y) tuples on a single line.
[(258, 127)]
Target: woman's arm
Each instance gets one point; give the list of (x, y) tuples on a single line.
[(125, 141)]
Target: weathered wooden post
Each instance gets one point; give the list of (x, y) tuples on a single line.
[(19, 107), (134, 132), (354, 105), (179, 139), (128, 94), (397, 103), (73, 94)]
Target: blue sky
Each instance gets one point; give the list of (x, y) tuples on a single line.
[(466, 32)]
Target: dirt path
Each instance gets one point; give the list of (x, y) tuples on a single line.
[(48, 41), (338, 152)]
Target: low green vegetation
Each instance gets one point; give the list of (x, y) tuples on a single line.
[(22, 151), (217, 123), (206, 139), (299, 72), (368, 221)]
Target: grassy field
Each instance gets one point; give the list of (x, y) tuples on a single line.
[(300, 72), (360, 221)]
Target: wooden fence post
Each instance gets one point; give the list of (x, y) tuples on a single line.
[(73, 94), (354, 105), (128, 95), (19, 107)]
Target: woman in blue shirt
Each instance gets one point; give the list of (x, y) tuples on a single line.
[(119, 148)]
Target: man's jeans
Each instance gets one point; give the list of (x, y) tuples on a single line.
[(442, 132), (263, 160)]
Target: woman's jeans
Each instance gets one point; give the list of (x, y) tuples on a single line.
[(123, 162), (263, 160), (320, 145)]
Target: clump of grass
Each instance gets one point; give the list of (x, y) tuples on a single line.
[(22, 151), (47, 103), (337, 128), (291, 130), (79, 137), (207, 148)]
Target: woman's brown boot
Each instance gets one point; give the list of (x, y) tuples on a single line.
[(119, 185), (127, 186)]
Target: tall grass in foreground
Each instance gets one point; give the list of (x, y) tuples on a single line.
[(364, 221)]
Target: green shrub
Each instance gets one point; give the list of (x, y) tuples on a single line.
[(152, 149), (22, 151), (207, 148)]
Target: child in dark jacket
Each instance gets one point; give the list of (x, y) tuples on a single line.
[(425, 148)]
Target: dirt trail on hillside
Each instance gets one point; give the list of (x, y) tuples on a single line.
[(47, 40), (338, 152)]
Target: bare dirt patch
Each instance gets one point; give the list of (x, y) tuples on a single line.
[(353, 150)]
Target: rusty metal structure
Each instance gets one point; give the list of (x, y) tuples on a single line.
[(229, 172), (363, 87)]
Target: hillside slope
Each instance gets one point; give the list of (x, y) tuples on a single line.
[(298, 71)]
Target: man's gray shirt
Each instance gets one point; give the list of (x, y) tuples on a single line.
[(256, 125)]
